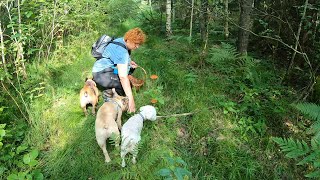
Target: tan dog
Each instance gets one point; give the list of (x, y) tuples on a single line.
[(89, 94), (108, 121)]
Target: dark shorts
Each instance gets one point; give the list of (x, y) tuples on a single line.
[(106, 79)]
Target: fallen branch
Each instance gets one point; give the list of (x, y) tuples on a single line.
[(176, 115)]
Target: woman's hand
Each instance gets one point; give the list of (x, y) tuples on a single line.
[(133, 64)]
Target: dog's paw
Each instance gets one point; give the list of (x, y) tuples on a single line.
[(123, 164), (107, 160), (134, 161)]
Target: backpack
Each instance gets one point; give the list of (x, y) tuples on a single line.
[(103, 41)]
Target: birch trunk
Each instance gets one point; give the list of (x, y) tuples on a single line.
[(191, 20), (168, 23), (226, 23)]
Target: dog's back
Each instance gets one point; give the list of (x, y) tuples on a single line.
[(108, 122), (89, 94)]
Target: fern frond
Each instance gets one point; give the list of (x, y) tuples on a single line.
[(314, 174), (223, 53), (293, 148), (114, 139), (315, 144), (315, 129), (316, 164), (309, 158), (309, 109)]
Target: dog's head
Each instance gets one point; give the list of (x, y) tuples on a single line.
[(149, 112), (122, 101)]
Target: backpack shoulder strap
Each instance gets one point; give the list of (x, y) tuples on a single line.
[(121, 44)]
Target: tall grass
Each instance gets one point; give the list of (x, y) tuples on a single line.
[(213, 141)]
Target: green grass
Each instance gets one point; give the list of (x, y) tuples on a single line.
[(209, 141)]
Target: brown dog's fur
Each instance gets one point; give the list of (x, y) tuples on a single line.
[(108, 121), (89, 94)]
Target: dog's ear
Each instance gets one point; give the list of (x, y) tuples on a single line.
[(108, 93), (125, 101), (114, 92)]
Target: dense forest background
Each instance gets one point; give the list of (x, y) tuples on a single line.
[(237, 86)]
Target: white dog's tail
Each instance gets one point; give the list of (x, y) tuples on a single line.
[(129, 144)]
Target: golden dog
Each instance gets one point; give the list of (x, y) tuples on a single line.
[(108, 121), (89, 94)]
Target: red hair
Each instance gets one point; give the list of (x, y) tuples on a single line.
[(135, 35)]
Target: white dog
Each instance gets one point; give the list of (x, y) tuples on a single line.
[(131, 130)]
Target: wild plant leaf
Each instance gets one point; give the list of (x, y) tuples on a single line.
[(21, 149), (2, 133), (309, 158), (315, 144), (2, 169), (315, 128), (179, 160), (181, 173), (26, 158), (34, 154), (164, 172), (314, 174), (294, 148), (309, 109), (37, 175), (12, 177), (33, 163)]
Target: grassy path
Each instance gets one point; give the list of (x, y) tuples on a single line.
[(207, 141), (67, 138)]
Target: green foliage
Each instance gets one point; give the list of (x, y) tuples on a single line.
[(296, 148), (18, 161), (293, 148), (121, 10), (177, 169), (115, 139), (155, 93), (310, 109)]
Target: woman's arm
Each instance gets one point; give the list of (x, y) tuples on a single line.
[(123, 75)]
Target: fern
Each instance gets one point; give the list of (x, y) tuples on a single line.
[(310, 109), (222, 55), (293, 148), (296, 148)]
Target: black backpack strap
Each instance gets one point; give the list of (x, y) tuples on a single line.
[(122, 45)]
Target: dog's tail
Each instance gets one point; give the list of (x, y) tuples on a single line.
[(129, 143), (92, 85)]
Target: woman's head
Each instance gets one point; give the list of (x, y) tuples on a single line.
[(134, 38)]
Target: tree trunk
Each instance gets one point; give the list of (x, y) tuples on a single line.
[(168, 13), (4, 64), (297, 38), (173, 11), (203, 19), (245, 25), (191, 20), (226, 15)]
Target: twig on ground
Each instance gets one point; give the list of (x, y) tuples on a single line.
[(175, 115)]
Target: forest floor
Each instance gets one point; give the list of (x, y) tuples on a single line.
[(209, 143)]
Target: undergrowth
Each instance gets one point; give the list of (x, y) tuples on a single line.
[(233, 105)]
